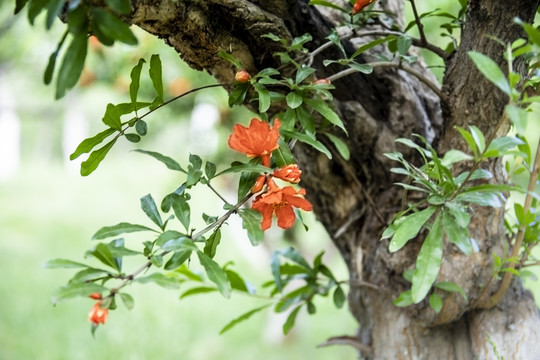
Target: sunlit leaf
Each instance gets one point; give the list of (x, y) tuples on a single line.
[(242, 317), (251, 221), (408, 227), (491, 70), (215, 274), (95, 158), (121, 228)]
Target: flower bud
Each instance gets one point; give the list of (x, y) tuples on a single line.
[(290, 173), (95, 296), (322, 81), (259, 183), (242, 76)]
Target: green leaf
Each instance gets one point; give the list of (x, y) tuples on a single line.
[(303, 73), (428, 262), (178, 258), (49, 70), (149, 207), (197, 290), (403, 44), (518, 116), (435, 302), (251, 221), (251, 167), (456, 234), (78, 20), (322, 108), (469, 139), (408, 227), (122, 6), (501, 145), (238, 95), (371, 44), (294, 100), (53, 9), (283, 156), (481, 198), (339, 297), (111, 117), (230, 59), (210, 170), (451, 287), (237, 282), (478, 137), (103, 254), (76, 289), (293, 254), (491, 70), (327, 4), (135, 80), (167, 161), (291, 319), (340, 145), (141, 127), (276, 270), (127, 300), (264, 97), (107, 27), (121, 228), (310, 140), (19, 5), (167, 282), (453, 156), (134, 138), (241, 318), (156, 75), (212, 243), (95, 158), (182, 243), (90, 275), (181, 209), (363, 68), (215, 274), (404, 299), (63, 263), (168, 235), (72, 65)]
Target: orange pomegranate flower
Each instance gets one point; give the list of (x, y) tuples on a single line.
[(360, 5), (98, 315), (280, 201), (257, 140), (290, 173)]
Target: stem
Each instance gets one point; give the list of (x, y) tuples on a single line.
[(484, 303), (213, 225), (399, 66), (418, 23), (215, 192)]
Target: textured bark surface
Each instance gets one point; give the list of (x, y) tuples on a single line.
[(356, 199)]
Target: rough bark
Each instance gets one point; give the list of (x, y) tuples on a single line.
[(356, 199)]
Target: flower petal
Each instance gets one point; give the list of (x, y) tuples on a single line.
[(285, 216)]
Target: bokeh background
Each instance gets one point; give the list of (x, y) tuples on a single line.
[(47, 210)]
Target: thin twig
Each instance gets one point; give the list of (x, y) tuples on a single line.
[(418, 23), (218, 194), (213, 225), (488, 303), (399, 66), (347, 340)]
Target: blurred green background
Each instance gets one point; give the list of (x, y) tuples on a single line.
[(47, 211)]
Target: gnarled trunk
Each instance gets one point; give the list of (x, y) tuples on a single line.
[(356, 199)]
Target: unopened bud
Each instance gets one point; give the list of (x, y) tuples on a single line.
[(322, 81), (242, 76)]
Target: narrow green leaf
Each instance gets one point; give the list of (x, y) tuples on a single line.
[(237, 283), (322, 108), (451, 287), (363, 68), (456, 234), (127, 300), (238, 95), (241, 318), (95, 158), (469, 139), (212, 243), (428, 262), (72, 65), (264, 97), (49, 70), (283, 156), (182, 243), (215, 274), (481, 198), (103, 254), (453, 156), (168, 235), (167, 282), (518, 117), (78, 19), (121, 228), (149, 207), (178, 258), (76, 289), (167, 161), (303, 73), (310, 140), (135, 80), (251, 221), (251, 167), (53, 9), (435, 302), (293, 254), (291, 319), (478, 137), (339, 297), (197, 290), (491, 70), (122, 6), (499, 146), (408, 227), (19, 5), (276, 270), (108, 27), (156, 75), (371, 44), (230, 58), (294, 100), (340, 145), (404, 299), (182, 210), (111, 117), (245, 183), (63, 263)]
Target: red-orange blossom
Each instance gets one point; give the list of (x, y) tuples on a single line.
[(257, 140)]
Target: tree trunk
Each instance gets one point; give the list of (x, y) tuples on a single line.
[(355, 200)]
